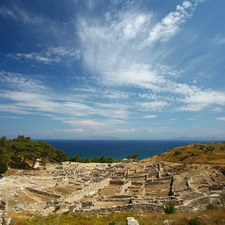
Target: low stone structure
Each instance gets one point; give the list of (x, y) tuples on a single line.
[(4, 218), (124, 186), (43, 193)]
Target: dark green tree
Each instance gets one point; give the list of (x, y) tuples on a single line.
[(4, 160), (60, 156), (4, 155)]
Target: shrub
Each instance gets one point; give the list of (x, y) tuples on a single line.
[(212, 207), (176, 153), (183, 158), (194, 221), (169, 209)]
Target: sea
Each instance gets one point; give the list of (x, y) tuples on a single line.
[(118, 149)]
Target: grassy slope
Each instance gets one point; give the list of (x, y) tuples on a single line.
[(213, 153), (207, 217)]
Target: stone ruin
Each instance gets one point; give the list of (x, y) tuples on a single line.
[(4, 218), (123, 186)]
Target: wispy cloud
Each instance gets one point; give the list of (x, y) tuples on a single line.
[(118, 66), (51, 55), (20, 82), (110, 50), (21, 15), (170, 24), (221, 118), (202, 99), (150, 116), (31, 96), (153, 106), (78, 130), (219, 39)]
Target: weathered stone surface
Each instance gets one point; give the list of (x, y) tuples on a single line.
[(132, 221), (79, 187)]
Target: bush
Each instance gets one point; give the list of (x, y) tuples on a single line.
[(169, 209), (212, 207), (176, 153), (194, 221), (183, 158)]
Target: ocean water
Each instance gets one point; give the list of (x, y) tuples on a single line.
[(118, 149)]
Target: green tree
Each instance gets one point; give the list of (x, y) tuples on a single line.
[(4, 155), (60, 156), (75, 158), (4, 160)]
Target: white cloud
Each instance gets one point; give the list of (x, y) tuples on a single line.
[(219, 39), (150, 116), (170, 24), (117, 131), (221, 118), (52, 55), (21, 82), (75, 130), (218, 109), (21, 15), (153, 106), (202, 99)]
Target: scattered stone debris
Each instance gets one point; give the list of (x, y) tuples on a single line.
[(4, 218), (124, 186)]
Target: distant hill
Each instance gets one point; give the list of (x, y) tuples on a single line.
[(211, 153)]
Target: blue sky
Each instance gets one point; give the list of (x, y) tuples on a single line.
[(112, 69)]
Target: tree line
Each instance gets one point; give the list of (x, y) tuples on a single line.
[(102, 159), (23, 153)]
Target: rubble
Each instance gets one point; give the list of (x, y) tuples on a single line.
[(122, 186)]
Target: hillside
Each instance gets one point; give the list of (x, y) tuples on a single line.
[(189, 178), (213, 153)]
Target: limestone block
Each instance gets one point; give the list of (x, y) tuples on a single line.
[(132, 221)]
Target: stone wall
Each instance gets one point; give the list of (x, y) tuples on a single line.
[(123, 208), (43, 193), (117, 182), (4, 218)]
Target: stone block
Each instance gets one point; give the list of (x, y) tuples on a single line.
[(132, 221)]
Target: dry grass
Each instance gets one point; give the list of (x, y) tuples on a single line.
[(213, 153), (10, 172), (207, 217)]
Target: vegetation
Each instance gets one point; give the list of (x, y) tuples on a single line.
[(212, 207), (23, 153), (211, 153), (169, 209), (208, 217), (194, 221), (134, 156), (102, 159)]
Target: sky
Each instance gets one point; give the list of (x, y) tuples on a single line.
[(112, 69)]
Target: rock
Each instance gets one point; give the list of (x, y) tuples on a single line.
[(132, 221), (166, 222)]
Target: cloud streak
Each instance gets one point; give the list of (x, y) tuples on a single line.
[(50, 56)]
